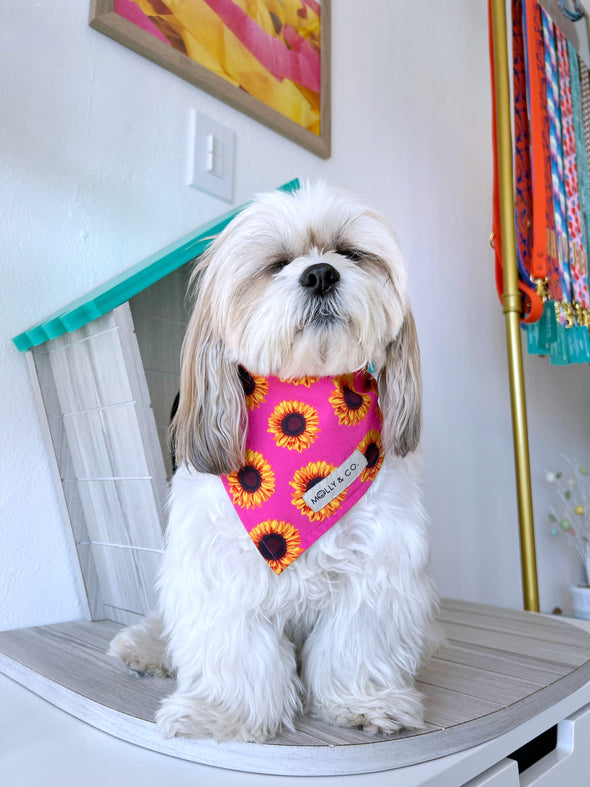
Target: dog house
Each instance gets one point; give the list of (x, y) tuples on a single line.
[(106, 371)]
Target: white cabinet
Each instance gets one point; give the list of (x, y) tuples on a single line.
[(569, 764)]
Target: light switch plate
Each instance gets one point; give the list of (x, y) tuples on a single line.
[(211, 156)]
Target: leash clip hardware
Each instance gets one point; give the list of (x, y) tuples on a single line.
[(542, 288), (569, 314), (582, 315)]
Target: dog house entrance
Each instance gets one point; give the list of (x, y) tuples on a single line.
[(160, 316)]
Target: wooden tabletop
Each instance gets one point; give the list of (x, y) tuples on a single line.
[(497, 669)]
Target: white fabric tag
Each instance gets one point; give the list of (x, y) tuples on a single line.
[(340, 479)]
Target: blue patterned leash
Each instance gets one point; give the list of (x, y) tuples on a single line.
[(559, 199), (573, 16)]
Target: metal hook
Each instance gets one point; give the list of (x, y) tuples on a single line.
[(574, 15)]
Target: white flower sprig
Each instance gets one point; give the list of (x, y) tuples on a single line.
[(571, 516)]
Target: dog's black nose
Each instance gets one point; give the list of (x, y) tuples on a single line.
[(319, 278)]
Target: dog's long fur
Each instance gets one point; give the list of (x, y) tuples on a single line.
[(341, 632)]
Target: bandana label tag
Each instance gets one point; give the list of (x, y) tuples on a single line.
[(337, 482)]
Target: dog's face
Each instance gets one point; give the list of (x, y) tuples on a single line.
[(308, 283)]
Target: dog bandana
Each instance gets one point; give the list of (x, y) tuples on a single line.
[(313, 448)]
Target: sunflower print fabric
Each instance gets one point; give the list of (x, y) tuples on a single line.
[(294, 425), (255, 388), (372, 449), (279, 543), (303, 434), (253, 483), (350, 405)]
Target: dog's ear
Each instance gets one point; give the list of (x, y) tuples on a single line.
[(400, 391), (209, 428)]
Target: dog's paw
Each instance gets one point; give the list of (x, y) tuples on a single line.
[(386, 712), (143, 653), (186, 716), (175, 722)]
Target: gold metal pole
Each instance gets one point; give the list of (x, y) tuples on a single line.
[(511, 308)]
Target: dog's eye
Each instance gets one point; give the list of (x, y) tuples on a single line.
[(278, 265), (351, 254)]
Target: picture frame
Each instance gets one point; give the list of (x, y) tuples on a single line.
[(292, 108)]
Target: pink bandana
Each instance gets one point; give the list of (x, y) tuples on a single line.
[(313, 448)]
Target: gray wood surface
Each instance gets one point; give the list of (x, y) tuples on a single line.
[(474, 691)]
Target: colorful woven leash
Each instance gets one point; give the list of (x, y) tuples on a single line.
[(541, 336), (581, 158), (581, 306), (582, 294), (549, 336), (544, 264), (574, 219), (523, 195), (585, 93), (550, 216), (585, 149), (557, 170)]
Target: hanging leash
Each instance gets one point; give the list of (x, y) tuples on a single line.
[(532, 303), (556, 144), (544, 268), (579, 288), (551, 92), (573, 16)]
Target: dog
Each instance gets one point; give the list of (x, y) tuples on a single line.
[(307, 289)]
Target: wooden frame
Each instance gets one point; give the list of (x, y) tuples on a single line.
[(104, 18)]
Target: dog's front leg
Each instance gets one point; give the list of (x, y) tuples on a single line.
[(237, 680), (358, 668)]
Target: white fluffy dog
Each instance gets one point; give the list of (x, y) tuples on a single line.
[(310, 283)]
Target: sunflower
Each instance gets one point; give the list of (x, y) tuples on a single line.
[(279, 543), (253, 483), (255, 388), (306, 381), (306, 478), (295, 425), (350, 405), (372, 449)]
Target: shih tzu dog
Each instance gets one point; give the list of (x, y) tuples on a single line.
[(295, 575)]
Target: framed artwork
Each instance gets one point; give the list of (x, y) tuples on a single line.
[(268, 58)]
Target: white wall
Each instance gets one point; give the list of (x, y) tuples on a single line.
[(93, 147)]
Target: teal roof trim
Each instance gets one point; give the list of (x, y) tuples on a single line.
[(116, 291)]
